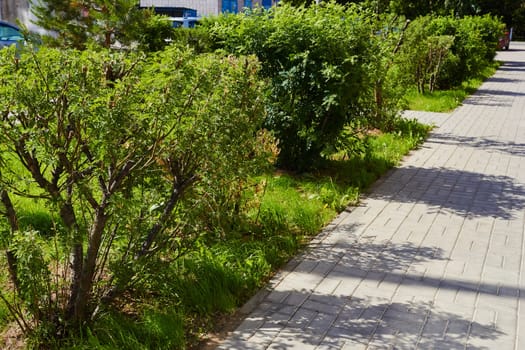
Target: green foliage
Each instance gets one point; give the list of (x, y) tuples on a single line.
[(33, 273), (197, 38), (153, 33), (386, 88), (315, 59), (153, 327), (297, 205), (443, 52), (78, 24), (123, 152)]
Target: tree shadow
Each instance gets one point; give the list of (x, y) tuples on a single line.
[(512, 66), (291, 317), (461, 192), (359, 323), (497, 79), (490, 145), (494, 98), (407, 326), (367, 255)]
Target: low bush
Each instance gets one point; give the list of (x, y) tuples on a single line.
[(443, 52), (315, 59), (120, 154)]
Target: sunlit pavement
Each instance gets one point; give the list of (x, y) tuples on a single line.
[(433, 256)]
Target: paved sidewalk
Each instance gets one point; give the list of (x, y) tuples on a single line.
[(432, 258)]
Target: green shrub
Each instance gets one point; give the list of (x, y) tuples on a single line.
[(443, 52), (315, 59), (124, 152)]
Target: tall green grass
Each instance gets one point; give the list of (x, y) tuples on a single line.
[(161, 327), (447, 100)]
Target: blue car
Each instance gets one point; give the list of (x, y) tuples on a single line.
[(9, 34)]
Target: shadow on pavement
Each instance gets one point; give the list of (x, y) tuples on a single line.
[(361, 323), (461, 192), (367, 256), (512, 66), (375, 303), (490, 145), (493, 98), (495, 79)]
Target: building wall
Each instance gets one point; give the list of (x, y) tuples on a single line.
[(203, 7), (11, 10)]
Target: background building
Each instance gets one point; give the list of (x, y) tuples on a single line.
[(204, 7), (11, 10)]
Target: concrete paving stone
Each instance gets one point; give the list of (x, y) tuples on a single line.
[(466, 298), (299, 281), (390, 283), (276, 321), (391, 342), (403, 297), (485, 317), (520, 339), (479, 333), (301, 319), (495, 260), (488, 343), (261, 340), (374, 312), (457, 329), (497, 303), (500, 238), (296, 298), (321, 324), (371, 292), (317, 306), (416, 271), (261, 309), (241, 345), (500, 275), (350, 312), (359, 331), (330, 345), (485, 288), (455, 267), (248, 327), (434, 328), (354, 345), (327, 286), (445, 296), (294, 341), (445, 345), (347, 286), (435, 269), (329, 300), (307, 265), (277, 296), (506, 322), (404, 322), (324, 267)]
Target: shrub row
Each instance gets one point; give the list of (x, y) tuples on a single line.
[(333, 68), (442, 52)]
